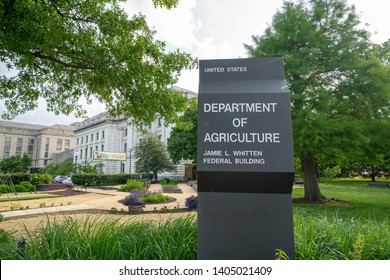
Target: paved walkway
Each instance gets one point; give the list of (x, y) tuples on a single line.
[(107, 202)]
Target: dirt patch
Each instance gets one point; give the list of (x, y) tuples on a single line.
[(331, 201), (65, 199)]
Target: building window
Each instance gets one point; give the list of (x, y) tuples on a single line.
[(159, 122), (86, 139), (81, 153), (97, 135), (82, 140), (67, 144), (90, 152), (30, 147), (125, 147), (47, 147), (96, 148), (102, 148), (45, 162), (7, 147), (19, 146), (91, 137), (103, 134), (59, 145), (141, 126), (77, 141), (160, 137), (86, 153)]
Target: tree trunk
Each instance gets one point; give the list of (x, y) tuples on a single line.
[(155, 175), (312, 190)]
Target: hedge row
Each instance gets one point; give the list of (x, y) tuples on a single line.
[(14, 178), (22, 187), (91, 179)]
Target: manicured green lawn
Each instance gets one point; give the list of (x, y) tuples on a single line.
[(363, 202)]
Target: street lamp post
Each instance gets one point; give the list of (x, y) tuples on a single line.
[(130, 150), (76, 155)]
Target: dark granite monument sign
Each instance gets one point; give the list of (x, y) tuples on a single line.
[(245, 160)]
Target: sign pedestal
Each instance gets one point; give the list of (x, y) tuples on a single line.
[(245, 160)]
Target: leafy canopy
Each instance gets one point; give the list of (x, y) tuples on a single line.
[(337, 81), (15, 164), (151, 156), (182, 144), (65, 50)]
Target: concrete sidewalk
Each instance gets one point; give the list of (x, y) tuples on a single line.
[(108, 202)]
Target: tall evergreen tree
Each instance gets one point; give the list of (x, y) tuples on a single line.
[(335, 78), (151, 156)]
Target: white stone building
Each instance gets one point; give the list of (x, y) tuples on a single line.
[(116, 135)]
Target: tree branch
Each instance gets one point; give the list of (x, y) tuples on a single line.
[(57, 61)]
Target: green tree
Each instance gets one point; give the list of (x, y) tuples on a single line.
[(15, 164), (151, 156), (335, 78), (64, 50), (64, 168), (182, 144), (375, 154)]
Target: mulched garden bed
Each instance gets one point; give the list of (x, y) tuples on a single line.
[(97, 212), (331, 201)]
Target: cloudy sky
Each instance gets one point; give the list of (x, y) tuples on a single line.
[(215, 29)]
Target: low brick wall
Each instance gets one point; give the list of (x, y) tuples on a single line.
[(50, 187)]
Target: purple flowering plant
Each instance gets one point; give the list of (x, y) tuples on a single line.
[(135, 198), (192, 202)]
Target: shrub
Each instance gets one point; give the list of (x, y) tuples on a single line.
[(192, 202), (40, 178), (14, 178), (132, 185), (25, 187), (92, 179), (166, 182), (5, 189), (155, 198), (1, 217)]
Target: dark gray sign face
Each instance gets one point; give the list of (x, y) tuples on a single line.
[(244, 117), (245, 132)]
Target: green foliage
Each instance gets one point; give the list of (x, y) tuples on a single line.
[(338, 79), (132, 185), (15, 164), (331, 172), (1, 217), (155, 198), (14, 178), (182, 143), (166, 182), (152, 156), (94, 239), (6, 188), (107, 179), (329, 237), (25, 187), (65, 51), (8, 249), (38, 178)]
